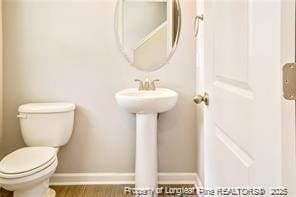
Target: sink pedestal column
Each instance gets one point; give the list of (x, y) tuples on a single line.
[(146, 151)]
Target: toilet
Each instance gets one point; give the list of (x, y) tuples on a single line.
[(45, 127)]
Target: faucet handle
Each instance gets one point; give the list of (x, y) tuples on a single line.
[(141, 86), (153, 86)]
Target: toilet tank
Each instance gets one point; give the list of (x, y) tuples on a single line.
[(46, 124)]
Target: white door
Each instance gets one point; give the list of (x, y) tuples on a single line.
[(249, 128)]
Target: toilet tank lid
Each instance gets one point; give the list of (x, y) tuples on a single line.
[(46, 107)]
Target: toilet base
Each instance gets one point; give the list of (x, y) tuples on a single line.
[(51, 192), (40, 190)]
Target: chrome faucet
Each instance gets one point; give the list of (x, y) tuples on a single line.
[(147, 85)]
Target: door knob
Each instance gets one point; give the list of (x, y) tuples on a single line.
[(199, 99)]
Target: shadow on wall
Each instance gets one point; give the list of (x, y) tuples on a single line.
[(81, 147)]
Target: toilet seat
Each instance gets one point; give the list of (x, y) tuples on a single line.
[(22, 183), (26, 161)]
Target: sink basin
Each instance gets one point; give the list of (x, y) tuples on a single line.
[(147, 102)]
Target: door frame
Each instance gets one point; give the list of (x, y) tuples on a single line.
[(288, 108)]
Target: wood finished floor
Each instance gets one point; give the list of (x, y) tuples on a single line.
[(97, 191)]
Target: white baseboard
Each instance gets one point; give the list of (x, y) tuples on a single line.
[(118, 178)]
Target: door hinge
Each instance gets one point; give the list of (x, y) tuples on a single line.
[(289, 81)]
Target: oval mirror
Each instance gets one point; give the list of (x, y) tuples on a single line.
[(148, 31)]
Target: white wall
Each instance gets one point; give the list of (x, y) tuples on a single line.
[(67, 51)]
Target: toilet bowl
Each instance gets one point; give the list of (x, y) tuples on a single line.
[(27, 170)]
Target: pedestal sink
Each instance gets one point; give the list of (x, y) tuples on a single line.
[(146, 104)]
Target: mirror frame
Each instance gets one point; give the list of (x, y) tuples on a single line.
[(122, 49)]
